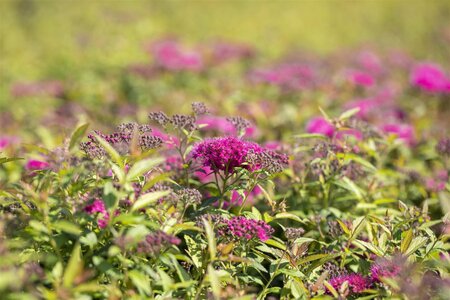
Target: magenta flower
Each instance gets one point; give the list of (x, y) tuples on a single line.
[(370, 62), (292, 76), (403, 132), (220, 125), (6, 141), (226, 51), (361, 79), (247, 229), (430, 78), (98, 206), (356, 282), (33, 165), (438, 181), (224, 154), (366, 106), (321, 126), (170, 55), (386, 268)]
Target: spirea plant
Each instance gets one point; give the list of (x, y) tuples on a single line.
[(257, 200)]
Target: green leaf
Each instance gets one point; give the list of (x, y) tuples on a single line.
[(142, 167), (67, 227), (415, 245), (89, 240), (349, 113), (115, 156), (365, 245), (76, 136), (74, 266), (286, 215), (140, 281), (212, 247), (357, 226), (214, 281), (4, 160), (407, 237), (165, 280), (147, 199)]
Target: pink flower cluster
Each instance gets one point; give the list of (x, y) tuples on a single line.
[(385, 268), (170, 55), (221, 125), (225, 153), (98, 206), (356, 282), (430, 78), (243, 228), (33, 165), (292, 76), (41, 88)]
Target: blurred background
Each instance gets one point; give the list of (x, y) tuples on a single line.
[(87, 44)]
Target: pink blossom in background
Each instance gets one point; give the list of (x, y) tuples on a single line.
[(169, 141), (170, 55), (370, 62), (438, 181), (404, 132), (221, 126), (217, 124), (361, 78), (98, 206), (51, 88), (289, 75), (430, 78), (366, 106), (342, 134), (321, 126), (33, 165), (204, 175), (7, 141), (237, 200), (226, 51)]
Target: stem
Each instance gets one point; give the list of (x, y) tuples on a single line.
[(272, 277)]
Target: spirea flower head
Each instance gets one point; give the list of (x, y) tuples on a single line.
[(34, 164), (224, 154), (430, 78), (321, 126), (443, 146), (247, 229), (98, 206), (189, 196), (121, 140), (386, 268), (404, 132), (157, 241), (172, 56), (356, 282)]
